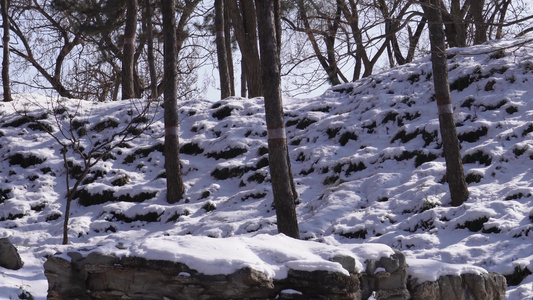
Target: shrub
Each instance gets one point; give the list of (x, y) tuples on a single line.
[(517, 276), (209, 206), (105, 124), (478, 156), (191, 149), (346, 137), (222, 112), (25, 161), (360, 234), (474, 225), (227, 154), (473, 136)]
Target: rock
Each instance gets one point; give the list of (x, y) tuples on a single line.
[(464, 287), (99, 276), (9, 256), (387, 277)]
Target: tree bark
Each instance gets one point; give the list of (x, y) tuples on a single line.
[(452, 152), (223, 70), (454, 23), (244, 22), (175, 187), (277, 142), (476, 10), (150, 52), (128, 80), (244, 85), (229, 52), (5, 59)]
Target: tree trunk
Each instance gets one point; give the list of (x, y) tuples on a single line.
[(151, 59), (452, 152), (277, 142), (223, 70), (175, 187), (476, 10), (244, 84), (128, 80), (503, 12), (245, 25), (5, 59), (454, 24), (229, 52)]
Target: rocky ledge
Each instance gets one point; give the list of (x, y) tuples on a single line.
[(100, 276)]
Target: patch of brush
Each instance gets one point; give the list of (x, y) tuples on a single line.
[(359, 234), (147, 217), (223, 112), (478, 156), (25, 160), (370, 127), (332, 132), (53, 217), (258, 177), (473, 136), (105, 124), (424, 224), (407, 116), (143, 152), (25, 119), (87, 199), (405, 136), (421, 157), (346, 137), (473, 177), (94, 175), (12, 217), (4, 195), (474, 225), (463, 82), (518, 150), (528, 130), (257, 195), (227, 154), (517, 276), (518, 196), (209, 206), (261, 163), (223, 173), (175, 217)]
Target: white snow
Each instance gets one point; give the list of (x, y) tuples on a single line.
[(368, 181)]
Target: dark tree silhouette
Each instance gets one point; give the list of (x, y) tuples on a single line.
[(280, 172), (452, 152), (175, 187)]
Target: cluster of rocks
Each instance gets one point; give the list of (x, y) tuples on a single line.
[(99, 276)]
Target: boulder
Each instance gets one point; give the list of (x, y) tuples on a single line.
[(99, 276), (9, 256), (387, 277), (460, 287)]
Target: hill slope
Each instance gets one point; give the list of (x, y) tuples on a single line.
[(366, 157)]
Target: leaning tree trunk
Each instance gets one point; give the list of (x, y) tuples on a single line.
[(128, 79), (175, 187), (452, 152), (5, 59), (244, 23), (223, 66), (277, 142)]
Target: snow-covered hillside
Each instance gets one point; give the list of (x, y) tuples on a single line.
[(366, 157)]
